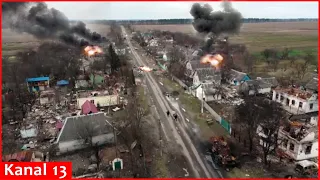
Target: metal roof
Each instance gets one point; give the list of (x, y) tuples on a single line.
[(79, 127), (62, 82), (38, 79)]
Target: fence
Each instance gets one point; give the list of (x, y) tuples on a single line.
[(225, 124)]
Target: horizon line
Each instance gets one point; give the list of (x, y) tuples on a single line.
[(182, 18)]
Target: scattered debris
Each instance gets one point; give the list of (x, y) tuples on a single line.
[(187, 173)]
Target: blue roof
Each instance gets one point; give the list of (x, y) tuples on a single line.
[(62, 82), (38, 79)]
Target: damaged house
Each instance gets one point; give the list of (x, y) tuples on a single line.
[(98, 99), (83, 131), (237, 77), (204, 81), (82, 83), (258, 86), (38, 84), (300, 136), (295, 100), (193, 65), (47, 97)]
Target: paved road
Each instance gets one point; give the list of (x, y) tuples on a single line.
[(199, 165)]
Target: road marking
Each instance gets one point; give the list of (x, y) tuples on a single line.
[(187, 119), (183, 110), (161, 83), (165, 134)]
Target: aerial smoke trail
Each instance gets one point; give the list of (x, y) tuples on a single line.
[(46, 23), (214, 23)]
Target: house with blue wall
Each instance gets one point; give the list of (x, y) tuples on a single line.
[(38, 84), (237, 77)]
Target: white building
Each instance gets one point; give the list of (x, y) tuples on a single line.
[(296, 101), (99, 101), (203, 84), (79, 132), (298, 138), (258, 86), (193, 65)]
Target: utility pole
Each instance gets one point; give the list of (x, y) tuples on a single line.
[(160, 139), (202, 102)]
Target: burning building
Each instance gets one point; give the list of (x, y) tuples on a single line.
[(92, 51)]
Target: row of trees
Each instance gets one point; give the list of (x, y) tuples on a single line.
[(179, 38), (189, 21), (273, 58)]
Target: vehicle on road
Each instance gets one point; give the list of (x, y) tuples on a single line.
[(306, 167)]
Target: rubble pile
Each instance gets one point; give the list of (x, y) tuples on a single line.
[(41, 125)]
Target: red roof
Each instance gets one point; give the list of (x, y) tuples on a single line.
[(88, 108)]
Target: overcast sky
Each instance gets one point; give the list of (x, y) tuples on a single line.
[(167, 10)]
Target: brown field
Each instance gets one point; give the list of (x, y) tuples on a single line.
[(258, 36), (306, 28), (13, 42), (99, 28), (183, 28), (9, 36)]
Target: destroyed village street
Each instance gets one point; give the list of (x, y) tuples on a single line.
[(175, 133)]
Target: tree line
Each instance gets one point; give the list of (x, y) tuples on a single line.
[(189, 21)]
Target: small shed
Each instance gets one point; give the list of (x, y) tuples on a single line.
[(63, 83)]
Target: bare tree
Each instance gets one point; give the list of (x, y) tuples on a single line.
[(116, 35), (176, 62), (285, 54), (302, 68), (269, 53), (19, 97), (274, 62), (249, 61), (249, 115), (139, 39), (270, 125)]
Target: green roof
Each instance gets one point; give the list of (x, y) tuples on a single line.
[(96, 79)]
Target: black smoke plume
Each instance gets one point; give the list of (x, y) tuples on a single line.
[(46, 23), (214, 23)]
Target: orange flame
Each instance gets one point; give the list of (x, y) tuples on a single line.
[(145, 68), (214, 60), (92, 50)]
